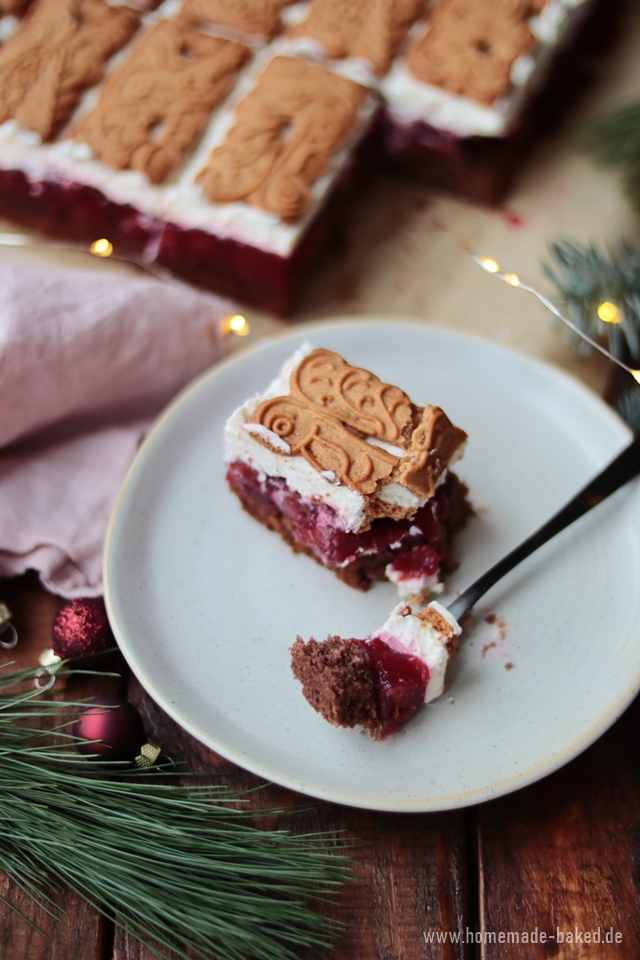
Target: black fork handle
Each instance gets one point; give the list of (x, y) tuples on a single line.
[(622, 469)]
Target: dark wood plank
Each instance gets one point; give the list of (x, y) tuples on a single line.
[(80, 932), (562, 855)]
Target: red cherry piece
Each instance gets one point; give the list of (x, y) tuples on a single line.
[(401, 680)]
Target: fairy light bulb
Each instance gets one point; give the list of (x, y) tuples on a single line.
[(489, 264), (101, 248), (636, 375), (609, 313), (512, 279), (236, 324), (239, 325)]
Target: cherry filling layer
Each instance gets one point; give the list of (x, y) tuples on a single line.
[(401, 680), (316, 526)]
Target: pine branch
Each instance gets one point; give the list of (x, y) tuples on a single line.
[(614, 141), (584, 278), (183, 867), (629, 408)]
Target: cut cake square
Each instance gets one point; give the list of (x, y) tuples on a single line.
[(351, 472), (478, 83)]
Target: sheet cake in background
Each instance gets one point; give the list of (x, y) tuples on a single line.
[(223, 140)]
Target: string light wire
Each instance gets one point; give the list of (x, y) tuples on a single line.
[(607, 312)]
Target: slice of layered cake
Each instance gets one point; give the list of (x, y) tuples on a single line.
[(378, 683), (351, 472)]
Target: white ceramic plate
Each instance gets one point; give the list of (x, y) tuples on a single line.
[(205, 602)]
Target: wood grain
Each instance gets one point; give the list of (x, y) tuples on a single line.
[(562, 855)]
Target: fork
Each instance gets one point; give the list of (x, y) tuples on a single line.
[(622, 468)]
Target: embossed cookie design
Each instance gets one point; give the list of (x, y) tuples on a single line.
[(285, 133), (370, 30), (152, 109), (59, 53), (469, 49), (255, 18), (334, 410), (354, 396)]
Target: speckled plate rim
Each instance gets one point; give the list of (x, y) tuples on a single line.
[(128, 640)]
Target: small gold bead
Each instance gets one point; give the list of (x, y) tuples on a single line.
[(149, 753)]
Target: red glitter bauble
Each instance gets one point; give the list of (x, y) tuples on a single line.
[(115, 724), (81, 628)]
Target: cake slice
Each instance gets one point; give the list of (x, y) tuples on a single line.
[(478, 84), (351, 472), (379, 682)]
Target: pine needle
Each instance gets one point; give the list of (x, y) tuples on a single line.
[(614, 141), (629, 408), (182, 867), (585, 278)]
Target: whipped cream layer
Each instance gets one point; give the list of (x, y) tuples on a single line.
[(430, 634)]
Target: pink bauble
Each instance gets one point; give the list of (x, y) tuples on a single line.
[(116, 726)]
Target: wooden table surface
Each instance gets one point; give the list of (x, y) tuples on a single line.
[(559, 860)]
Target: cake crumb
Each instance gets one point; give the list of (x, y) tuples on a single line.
[(487, 647), (509, 665)]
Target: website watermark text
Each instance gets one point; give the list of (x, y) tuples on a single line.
[(560, 935)]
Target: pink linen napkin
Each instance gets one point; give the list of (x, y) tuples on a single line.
[(87, 360)]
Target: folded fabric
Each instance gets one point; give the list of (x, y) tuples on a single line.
[(87, 360)]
